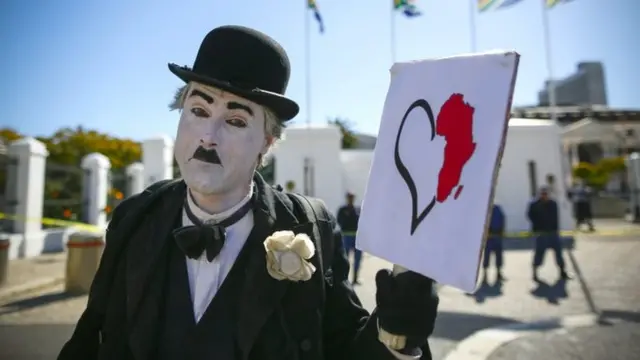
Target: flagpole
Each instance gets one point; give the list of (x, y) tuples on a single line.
[(472, 26), (551, 89), (307, 59), (392, 32)]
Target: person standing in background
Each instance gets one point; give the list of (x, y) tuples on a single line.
[(494, 242), (348, 216), (580, 195), (551, 187), (544, 217)]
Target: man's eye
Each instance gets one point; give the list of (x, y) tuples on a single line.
[(237, 123), (199, 112)]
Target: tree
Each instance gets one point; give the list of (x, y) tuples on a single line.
[(349, 138), (8, 135)]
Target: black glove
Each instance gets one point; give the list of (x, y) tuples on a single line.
[(407, 305)]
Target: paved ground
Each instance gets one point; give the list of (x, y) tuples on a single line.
[(611, 341), (608, 266), (23, 271)]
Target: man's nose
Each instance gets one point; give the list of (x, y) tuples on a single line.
[(208, 141)]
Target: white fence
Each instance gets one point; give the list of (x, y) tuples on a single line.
[(25, 184)]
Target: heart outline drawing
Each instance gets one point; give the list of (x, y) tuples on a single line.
[(416, 219)]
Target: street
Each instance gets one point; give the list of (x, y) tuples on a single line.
[(605, 282)]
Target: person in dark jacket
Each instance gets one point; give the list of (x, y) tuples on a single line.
[(348, 216), (544, 217), (493, 245), (580, 195), (220, 264)]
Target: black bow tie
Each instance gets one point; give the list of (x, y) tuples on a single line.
[(195, 239)]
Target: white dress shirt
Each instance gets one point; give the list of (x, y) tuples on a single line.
[(205, 278)]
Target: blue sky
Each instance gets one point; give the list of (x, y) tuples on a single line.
[(103, 64)]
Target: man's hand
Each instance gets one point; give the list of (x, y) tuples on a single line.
[(407, 306)]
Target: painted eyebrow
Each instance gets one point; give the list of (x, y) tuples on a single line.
[(232, 105), (205, 97)]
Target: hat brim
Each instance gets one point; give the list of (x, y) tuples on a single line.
[(284, 108)]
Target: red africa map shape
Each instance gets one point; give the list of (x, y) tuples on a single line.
[(455, 124)]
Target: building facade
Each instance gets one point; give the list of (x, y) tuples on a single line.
[(585, 87)]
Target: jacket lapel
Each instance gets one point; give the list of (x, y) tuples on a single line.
[(145, 250), (261, 294)]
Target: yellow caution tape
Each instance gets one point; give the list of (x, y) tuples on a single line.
[(53, 222), (513, 235), (571, 233)]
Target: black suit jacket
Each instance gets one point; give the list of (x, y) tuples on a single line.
[(313, 320)]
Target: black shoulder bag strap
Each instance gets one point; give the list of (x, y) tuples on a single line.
[(311, 209)]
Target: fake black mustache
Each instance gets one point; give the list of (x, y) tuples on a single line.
[(209, 156)]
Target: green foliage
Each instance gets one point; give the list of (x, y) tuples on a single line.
[(598, 175), (349, 139), (612, 165), (290, 185), (583, 170)]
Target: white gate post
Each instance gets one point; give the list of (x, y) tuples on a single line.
[(96, 188), (27, 186), (157, 158), (135, 179)]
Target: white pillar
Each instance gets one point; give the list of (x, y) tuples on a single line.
[(96, 188), (26, 189), (575, 158), (633, 173), (135, 179), (31, 156), (157, 158)]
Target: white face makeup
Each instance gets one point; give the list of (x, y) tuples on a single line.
[(220, 137)]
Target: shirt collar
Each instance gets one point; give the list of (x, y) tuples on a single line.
[(205, 216)]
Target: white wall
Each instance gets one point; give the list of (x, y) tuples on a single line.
[(338, 171), (321, 144), (537, 141), (356, 166)]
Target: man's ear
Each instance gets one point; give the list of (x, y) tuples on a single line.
[(268, 142)]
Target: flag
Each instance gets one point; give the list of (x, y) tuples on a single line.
[(408, 8), (486, 5), (311, 4), (506, 3), (553, 3)]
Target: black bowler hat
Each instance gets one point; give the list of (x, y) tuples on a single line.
[(244, 62)]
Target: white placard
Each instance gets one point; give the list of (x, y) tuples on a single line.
[(435, 163)]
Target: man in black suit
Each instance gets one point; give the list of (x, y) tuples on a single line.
[(348, 216), (220, 265), (545, 224)]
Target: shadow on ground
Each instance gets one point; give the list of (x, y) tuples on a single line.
[(621, 315), (487, 290), (32, 342), (551, 292), (457, 326), (25, 304)]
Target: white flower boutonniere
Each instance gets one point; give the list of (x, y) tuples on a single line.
[(288, 256)]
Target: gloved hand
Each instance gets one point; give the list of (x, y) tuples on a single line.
[(407, 305)]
